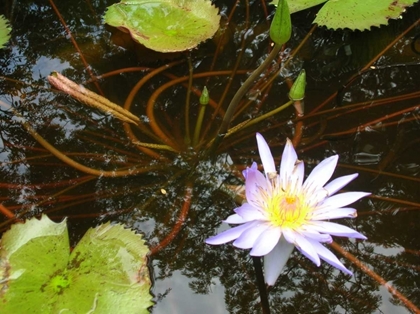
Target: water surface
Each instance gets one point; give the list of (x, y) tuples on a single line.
[(367, 115)]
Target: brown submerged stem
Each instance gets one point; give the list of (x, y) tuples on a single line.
[(103, 104), (179, 223), (129, 101), (6, 212), (29, 207), (364, 126), (157, 129), (369, 64), (376, 277), (72, 163)]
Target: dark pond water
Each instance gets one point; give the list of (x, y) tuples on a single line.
[(362, 102)]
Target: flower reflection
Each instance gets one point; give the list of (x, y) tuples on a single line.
[(282, 212)]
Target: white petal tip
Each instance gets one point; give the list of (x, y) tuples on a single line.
[(211, 241)]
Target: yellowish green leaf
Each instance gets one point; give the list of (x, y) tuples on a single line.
[(165, 25)]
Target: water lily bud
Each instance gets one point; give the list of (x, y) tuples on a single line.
[(205, 97), (297, 92), (281, 27)]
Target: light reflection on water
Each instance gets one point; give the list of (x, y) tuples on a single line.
[(178, 289), (197, 278)]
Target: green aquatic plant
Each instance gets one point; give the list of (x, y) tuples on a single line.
[(166, 189), (280, 32), (353, 14), (4, 31), (105, 273), (165, 25)]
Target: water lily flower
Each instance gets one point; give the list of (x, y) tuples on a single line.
[(283, 212)]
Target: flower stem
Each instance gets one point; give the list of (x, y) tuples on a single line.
[(199, 124), (261, 284), (241, 93)]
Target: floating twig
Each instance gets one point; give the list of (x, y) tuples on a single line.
[(90, 98)]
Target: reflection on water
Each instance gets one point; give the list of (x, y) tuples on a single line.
[(371, 120), (179, 289)]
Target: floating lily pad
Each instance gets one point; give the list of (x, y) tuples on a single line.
[(165, 25), (299, 5), (4, 31), (105, 273), (360, 14), (353, 14)]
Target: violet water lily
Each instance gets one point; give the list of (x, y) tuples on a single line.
[(283, 212)]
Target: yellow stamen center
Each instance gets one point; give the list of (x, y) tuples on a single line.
[(287, 210)]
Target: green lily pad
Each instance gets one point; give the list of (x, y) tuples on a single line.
[(165, 25), (299, 5), (105, 273), (360, 14), (4, 31), (353, 14)]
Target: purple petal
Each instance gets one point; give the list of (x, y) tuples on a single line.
[(299, 173), (257, 188), (342, 199), (321, 174), (229, 235), (306, 248), (317, 197), (266, 242), (314, 235), (249, 212), (334, 213), (336, 184), (265, 155), (287, 164), (290, 236), (275, 261), (234, 219), (247, 239), (334, 229), (329, 257), (253, 167)]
